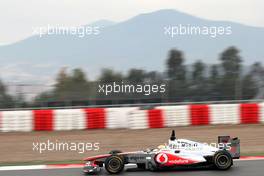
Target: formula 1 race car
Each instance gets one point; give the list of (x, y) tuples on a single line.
[(178, 153)]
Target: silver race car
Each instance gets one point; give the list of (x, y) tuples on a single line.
[(178, 153)]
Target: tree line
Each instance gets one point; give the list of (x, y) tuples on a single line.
[(229, 79)]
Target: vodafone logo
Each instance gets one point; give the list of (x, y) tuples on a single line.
[(162, 158)]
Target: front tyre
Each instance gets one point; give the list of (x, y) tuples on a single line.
[(222, 160), (114, 164), (151, 167)]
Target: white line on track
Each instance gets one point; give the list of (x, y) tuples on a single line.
[(33, 167)]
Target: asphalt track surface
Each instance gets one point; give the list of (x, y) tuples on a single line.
[(240, 168)]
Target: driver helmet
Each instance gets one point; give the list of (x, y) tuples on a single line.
[(161, 147)]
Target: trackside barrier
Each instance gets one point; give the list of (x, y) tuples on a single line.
[(118, 117), (131, 117), (69, 119), (199, 114), (224, 114), (16, 121), (249, 113), (262, 112), (142, 119), (95, 118), (43, 120), (138, 119), (155, 118), (175, 115)]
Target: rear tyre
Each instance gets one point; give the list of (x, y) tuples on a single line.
[(113, 152), (222, 160), (141, 165), (114, 164)]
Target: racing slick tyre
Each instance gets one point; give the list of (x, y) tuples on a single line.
[(222, 160), (151, 167), (115, 152), (114, 164), (141, 166)]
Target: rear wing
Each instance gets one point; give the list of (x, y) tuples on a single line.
[(232, 145)]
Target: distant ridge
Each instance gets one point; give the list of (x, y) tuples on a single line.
[(137, 42)]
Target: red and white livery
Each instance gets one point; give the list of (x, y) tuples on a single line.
[(178, 153)]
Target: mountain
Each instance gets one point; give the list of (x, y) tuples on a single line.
[(137, 42), (102, 23)]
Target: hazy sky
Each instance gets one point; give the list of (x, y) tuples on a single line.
[(18, 17)]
